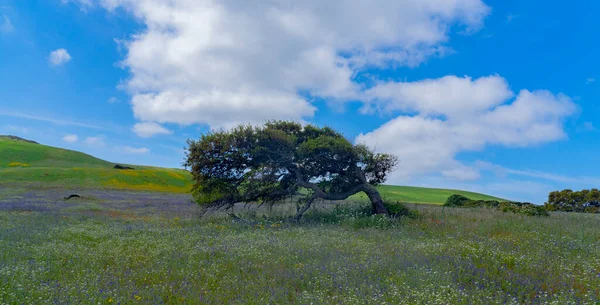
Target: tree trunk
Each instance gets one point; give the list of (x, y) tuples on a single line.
[(305, 208), (376, 201)]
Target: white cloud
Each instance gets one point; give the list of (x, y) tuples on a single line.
[(427, 144), (590, 80), (565, 180), (149, 129), (59, 57), (225, 62), (113, 100), (133, 150), (451, 96), (57, 121), (98, 141), (6, 26), (71, 138)]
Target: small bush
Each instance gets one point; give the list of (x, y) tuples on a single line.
[(398, 209), (533, 210), (524, 208), (507, 207), (456, 200), (481, 203)]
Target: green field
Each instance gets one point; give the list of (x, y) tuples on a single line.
[(22, 162)]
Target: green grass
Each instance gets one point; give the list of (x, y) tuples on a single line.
[(447, 256), (22, 162), (426, 195)]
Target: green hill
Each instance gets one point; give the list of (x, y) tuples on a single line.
[(26, 162), (414, 194)]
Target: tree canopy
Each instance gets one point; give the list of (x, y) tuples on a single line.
[(587, 201), (280, 160)]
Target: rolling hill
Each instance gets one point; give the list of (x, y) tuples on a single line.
[(26, 162), (425, 195), (29, 163)]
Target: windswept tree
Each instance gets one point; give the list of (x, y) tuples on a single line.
[(282, 160)]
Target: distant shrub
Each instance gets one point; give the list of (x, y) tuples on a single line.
[(481, 203), (592, 210), (456, 200), (361, 216), (533, 210), (398, 209), (584, 201), (507, 207), (524, 208)]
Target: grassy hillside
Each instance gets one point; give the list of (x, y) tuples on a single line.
[(425, 195), (22, 162)]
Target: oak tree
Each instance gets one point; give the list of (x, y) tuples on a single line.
[(281, 160)]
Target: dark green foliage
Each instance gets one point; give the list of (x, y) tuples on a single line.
[(398, 209), (280, 160), (456, 200), (533, 210), (524, 208), (361, 216), (481, 203), (585, 201)]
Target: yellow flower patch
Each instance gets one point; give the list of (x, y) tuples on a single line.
[(18, 164), (119, 184), (176, 175)]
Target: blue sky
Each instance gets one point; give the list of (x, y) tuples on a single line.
[(492, 96)]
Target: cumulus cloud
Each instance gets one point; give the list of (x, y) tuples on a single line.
[(451, 96), (71, 138), (6, 26), (113, 100), (428, 141), (59, 57), (134, 150), (98, 141), (149, 129), (225, 62), (221, 63)]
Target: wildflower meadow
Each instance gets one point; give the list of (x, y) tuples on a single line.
[(123, 247)]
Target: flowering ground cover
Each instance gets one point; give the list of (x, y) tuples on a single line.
[(125, 247)]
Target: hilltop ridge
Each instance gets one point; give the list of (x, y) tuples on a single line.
[(15, 138)]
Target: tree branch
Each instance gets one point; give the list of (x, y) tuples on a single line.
[(328, 196)]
